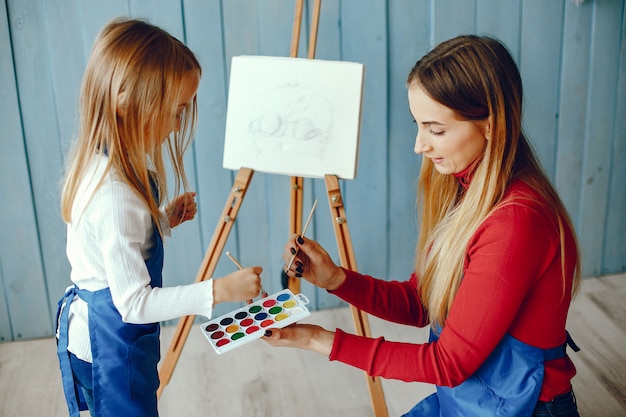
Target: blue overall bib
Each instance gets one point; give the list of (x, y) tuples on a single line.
[(507, 384), (125, 356)]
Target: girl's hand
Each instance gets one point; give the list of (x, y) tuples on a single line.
[(312, 263), (303, 336), (181, 209), (241, 285)]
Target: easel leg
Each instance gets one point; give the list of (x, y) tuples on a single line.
[(297, 183), (295, 221), (346, 254), (225, 224)]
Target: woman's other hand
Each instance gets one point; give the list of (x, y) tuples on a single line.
[(303, 336)]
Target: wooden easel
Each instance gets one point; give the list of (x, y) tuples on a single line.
[(224, 225), (346, 255), (229, 214)]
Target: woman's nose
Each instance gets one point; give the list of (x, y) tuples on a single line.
[(421, 145)]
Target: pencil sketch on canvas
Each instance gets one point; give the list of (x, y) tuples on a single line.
[(291, 116), (294, 116)]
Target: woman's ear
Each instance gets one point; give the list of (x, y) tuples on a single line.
[(487, 127), (120, 109)]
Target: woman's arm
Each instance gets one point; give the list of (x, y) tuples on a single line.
[(512, 251), (393, 301)]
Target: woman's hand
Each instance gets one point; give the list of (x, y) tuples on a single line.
[(181, 209), (312, 263), (241, 285), (303, 336)]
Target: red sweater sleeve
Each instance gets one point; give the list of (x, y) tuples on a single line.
[(512, 284), (393, 301)]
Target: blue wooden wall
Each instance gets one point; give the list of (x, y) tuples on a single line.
[(572, 60)]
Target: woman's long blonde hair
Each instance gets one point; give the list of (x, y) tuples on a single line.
[(139, 68), (476, 77)]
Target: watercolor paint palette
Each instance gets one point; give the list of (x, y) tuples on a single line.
[(249, 323)]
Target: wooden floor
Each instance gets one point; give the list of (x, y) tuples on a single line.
[(257, 380)]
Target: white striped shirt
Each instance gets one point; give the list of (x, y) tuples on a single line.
[(110, 237)]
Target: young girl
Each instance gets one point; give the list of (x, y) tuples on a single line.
[(497, 259), (138, 94)]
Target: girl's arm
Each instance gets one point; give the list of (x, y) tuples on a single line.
[(121, 226)]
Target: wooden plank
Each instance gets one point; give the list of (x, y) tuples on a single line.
[(67, 60), (501, 19), (183, 250), (540, 67), (95, 14), (451, 18), (248, 380), (573, 105), (163, 13), (20, 258), (365, 40), (30, 381), (586, 102), (409, 40), (258, 379), (33, 161), (328, 35), (597, 323), (276, 20), (348, 261), (203, 32), (8, 112), (211, 258), (330, 32), (614, 258), (275, 25), (604, 58), (241, 28)]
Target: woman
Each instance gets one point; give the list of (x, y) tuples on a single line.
[(497, 260)]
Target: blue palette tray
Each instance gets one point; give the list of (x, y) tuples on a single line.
[(249, 323)]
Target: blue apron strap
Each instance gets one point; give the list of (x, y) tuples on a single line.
[(75, 399), (570, 342), (559, 351)]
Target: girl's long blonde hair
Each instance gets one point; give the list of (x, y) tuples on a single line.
[(129, 95), (476, 77)]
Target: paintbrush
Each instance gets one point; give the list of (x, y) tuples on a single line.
[(232, 258), (306, 225)]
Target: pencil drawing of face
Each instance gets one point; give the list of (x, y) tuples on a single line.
[(291, 118)]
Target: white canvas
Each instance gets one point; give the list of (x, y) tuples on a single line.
[(294, 116)]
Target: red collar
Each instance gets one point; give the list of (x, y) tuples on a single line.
[(465, 176)]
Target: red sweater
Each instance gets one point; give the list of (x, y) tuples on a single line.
[(511, 284)]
